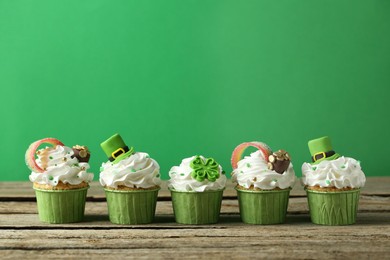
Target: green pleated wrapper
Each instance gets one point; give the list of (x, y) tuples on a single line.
[(131, 207), (333, 208), (61, 206), (196, 208), (263, 207)]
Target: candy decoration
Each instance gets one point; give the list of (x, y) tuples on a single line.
[(81, 153), (30, 153), (208, 169), (239, 150), (279, 161)]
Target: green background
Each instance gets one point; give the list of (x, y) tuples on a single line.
[(177, 78)]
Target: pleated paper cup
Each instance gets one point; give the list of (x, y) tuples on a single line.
[(196, 208), (333, 208), (131, 207), (263, 207), (61, 206)]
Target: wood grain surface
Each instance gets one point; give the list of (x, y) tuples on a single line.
[(22, 235)]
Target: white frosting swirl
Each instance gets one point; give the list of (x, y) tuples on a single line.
[(181, 179), (60, 166), (253, 171), (340, 173), (135, 171)]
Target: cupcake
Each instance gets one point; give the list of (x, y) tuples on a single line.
[(196, 187), (131, 181), (264, 180), (60, 180), (332, 183)]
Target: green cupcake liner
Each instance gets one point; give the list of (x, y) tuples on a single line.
[(263, 207), (131, 207), (333, 208), (61, 206), (196, 208)]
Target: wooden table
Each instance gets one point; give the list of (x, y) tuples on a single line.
[(22, 235)]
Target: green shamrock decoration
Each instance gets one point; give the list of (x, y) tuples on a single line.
[(204, 170)]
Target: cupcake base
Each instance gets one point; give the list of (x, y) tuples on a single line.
[(333, 208), (61, 206), (131, 207), (196, 208), (263, 207)]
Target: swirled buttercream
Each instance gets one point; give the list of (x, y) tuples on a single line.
[(252, 171), (59, 166), (340, 173), (181, 178), (135, 171)]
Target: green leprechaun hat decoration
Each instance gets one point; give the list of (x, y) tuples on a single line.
[(321, 149), (116, 149)]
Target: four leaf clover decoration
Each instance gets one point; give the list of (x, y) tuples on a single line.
[(204, 169)]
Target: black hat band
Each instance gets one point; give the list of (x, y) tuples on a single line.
[(118, 152), (320, 155)]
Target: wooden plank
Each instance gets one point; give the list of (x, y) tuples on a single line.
[(379, 186), (98, 210), (296, 206), (226, 221), (293, 250), (301, 241), (24, 236)]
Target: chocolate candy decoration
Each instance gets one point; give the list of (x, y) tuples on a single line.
[(81, 153), (279, 161)]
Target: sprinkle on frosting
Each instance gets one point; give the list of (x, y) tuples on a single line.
[(68, 171), (124, 172), (258, 176), (343, 172)]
